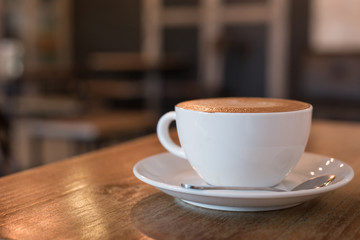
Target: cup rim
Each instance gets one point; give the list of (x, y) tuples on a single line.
[(309, 109)]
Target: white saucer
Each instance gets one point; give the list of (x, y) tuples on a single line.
[(166, 172)]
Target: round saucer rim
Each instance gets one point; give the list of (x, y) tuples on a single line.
[(243, 194)]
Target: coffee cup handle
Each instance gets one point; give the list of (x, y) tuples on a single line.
[(164, 136)]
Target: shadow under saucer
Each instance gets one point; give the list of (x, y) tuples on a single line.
[(156, 214)]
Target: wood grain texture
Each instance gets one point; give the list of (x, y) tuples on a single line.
[(96, 196)]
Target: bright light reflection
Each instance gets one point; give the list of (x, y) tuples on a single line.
[(341, 165), (331, 160), (327, 162), (312, 173), (320, 169), (83, 199)]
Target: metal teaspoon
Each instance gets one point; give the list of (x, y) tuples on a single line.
[(316, 182)]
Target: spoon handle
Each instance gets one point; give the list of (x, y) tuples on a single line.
[(209, 187), (313, 183)]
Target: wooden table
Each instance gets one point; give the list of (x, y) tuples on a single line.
[(96, 196)]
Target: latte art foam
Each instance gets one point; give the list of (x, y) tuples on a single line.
[(243, 105)]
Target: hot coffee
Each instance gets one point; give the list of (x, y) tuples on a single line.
[(243, 105), (252, 142)]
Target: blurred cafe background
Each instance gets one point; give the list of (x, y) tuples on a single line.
[(79, 75)]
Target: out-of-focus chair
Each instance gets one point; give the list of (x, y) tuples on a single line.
[(115, 109), (89, 131)]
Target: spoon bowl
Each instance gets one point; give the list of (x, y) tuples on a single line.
[(313, 183)]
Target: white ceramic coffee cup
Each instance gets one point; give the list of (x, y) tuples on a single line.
[(238, 149)]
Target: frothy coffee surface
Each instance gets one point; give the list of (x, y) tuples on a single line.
[(243, 105)]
